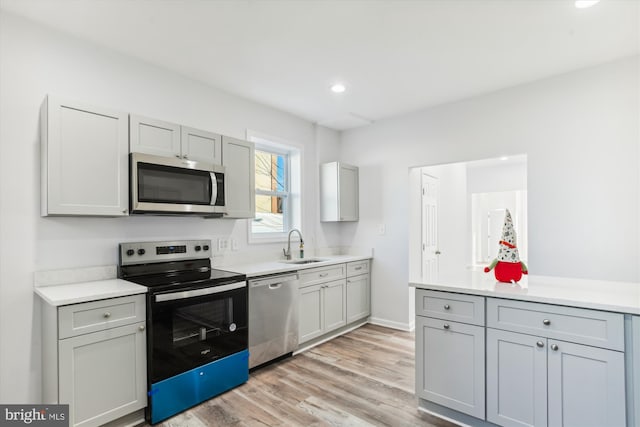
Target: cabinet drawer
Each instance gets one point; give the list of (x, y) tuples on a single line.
[(321, 274), (79, 319), (579, 325), (448, 306), (357, 267)]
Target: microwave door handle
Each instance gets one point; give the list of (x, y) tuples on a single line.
[(214, 189)]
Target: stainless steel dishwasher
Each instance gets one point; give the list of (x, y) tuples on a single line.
[(273, 317)]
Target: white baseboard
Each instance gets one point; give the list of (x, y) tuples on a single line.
[(393, 325), (329, 338)]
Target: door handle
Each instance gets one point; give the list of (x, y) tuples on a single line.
[(275, 285)]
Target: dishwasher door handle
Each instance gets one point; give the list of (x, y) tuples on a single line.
[(275, 285)]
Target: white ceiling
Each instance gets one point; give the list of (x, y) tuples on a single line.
[(394, 56)]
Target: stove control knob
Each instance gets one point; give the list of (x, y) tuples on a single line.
[(205, 247), (141, 251), (130, 252), (197, 248)]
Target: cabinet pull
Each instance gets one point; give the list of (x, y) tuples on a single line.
[(178, 155), (446, 326), (546, 322), (141, 327), (323, 274), (358, 268), (447, 306), (554, 347), (106, 315), (185, 157), (540, 344)]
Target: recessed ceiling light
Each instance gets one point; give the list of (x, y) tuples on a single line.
[(338, 88), (503, 158), (583, 4)]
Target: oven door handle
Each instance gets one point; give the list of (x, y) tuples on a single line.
[(199, 292)]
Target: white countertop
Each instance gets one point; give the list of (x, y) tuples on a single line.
[(622, 297), (273, 267), (58, 295)]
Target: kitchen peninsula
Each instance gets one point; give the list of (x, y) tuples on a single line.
[(544, 351)]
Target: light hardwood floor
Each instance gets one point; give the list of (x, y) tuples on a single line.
[(363, 378)]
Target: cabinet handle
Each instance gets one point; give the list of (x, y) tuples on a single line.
[(124, 211), (141, 327), (106, 315), (554, 347), (185, 157), (178, 155), (540, 344), (323, 274), (358, 268), (447, 306), (446, 326), (546, 322)]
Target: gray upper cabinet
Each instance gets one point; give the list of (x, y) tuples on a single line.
[(238, 158), (160, 138), (84, 154), (338, 192)]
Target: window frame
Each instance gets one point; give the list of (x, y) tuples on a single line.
[(292, 208)]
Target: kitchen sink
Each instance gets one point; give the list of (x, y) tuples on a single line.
[(303, 261)]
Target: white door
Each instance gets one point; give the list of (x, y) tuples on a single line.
[(429, 227)]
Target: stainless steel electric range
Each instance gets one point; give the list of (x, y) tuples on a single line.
[(197, 331)]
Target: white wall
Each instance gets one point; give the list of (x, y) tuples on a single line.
[(35, 61), (580, 133)]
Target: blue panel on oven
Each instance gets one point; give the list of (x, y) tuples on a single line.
[(175, 394)]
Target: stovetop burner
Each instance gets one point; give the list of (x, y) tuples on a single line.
[(172, 265)]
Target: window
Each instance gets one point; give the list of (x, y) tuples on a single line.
[(272, 193), (278, 184)]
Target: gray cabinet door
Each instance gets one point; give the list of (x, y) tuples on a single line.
[(84, 153), (151, 136), (358, 297), (201, 146), (450, 360), (348, 192), (516, 379), (311, 313), (103, 374), (586, 386), (335, 304), (238, 158)]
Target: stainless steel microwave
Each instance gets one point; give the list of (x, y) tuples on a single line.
[(174, 186)]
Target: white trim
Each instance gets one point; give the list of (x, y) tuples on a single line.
[(290, 149), (407, 327)]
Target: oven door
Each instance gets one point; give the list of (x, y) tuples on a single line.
[(190, 328)]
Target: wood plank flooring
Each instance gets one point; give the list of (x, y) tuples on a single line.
[(363, 378)]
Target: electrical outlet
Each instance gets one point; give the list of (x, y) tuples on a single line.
[(234, 244), (223, 244)]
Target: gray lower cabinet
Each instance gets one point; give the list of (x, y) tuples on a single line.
[(358, 291), (540, 380), (94, 359), (450, 364), (322, 309), (586, 386), (516, 379)]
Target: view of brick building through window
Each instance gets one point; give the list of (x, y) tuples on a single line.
[(272, 193)]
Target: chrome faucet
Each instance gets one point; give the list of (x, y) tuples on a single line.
[(287, 252)]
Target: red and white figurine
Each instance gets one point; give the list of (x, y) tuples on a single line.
[(508, 267)]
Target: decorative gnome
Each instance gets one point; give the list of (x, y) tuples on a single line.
[(508, 267)]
